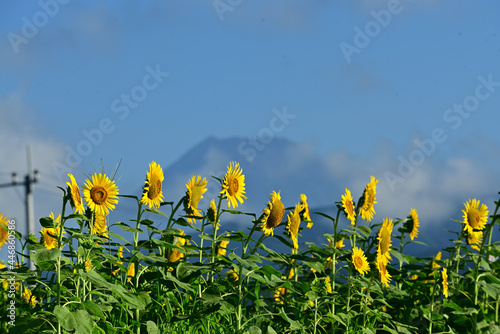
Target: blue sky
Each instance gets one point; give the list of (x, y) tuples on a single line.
[(224, 67)]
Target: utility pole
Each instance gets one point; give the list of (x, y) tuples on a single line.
[(30, 178)]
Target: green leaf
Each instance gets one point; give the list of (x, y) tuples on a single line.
[(46, 255), (129, 196), (254, 330), (94, 308), (127, 228), (492, 289), (47, 222), (294, 325), (65, 318), (84, 322), (151, 327), (270, 330), (158, 212)]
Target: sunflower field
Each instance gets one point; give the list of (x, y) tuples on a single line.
[(186, 271)]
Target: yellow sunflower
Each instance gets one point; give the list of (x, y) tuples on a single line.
[(131, 271), (221, 248), (385, 277), (445, 282), (196, 187), (152, 194), (100, 227), (384, 239), (438, 256), (119, 254), (75, 198), (328, 284), (175, 254), (100, 194), (348, 206), (88, 265), (233, 185), (28, 297), (414, 223), (273, 214), (4, 230), (50, 237), (293, 225), (474, 239), (359, 260), (305, 212), (367, 211), (475, 216)]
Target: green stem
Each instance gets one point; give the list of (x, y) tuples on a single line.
[(214, 238), (58, 264), (174, 211)]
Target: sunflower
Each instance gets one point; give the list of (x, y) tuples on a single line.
[(414, 224), (50, 237), (175, 254), (151, 193), (359, 260), (385, 277), (438, 256), (100, 227), (328, 284), (119, 254), (221, 248), (306, 215), (131, 271), (4, 230), (273, 214), (28, 297), (75, 198), (368, 199), (88, 265), (196, 187), (233, 185), (445, 282), (475, 216), (293, 225), (100, 194), (474, 239), (348, 206), (384, 239)]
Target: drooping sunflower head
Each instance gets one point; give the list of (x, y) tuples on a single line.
[(306, 215), (359, 261), (412, 223), (174, 254), (75, 198), (368, 199), (384, 238), (101, 194), (50, 237), (196, 187), (438, 256), (233, 185), (273, 214), (444, 275), (348, 206), (385, 277), (293, 225), (474, 239), (221, 248), (4, 230), (212, 213), (100, 227), (152, 194), (475, 216), (28, 297)]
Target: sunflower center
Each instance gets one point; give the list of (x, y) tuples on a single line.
[(474, 218), (385, 240), (154, 188), (276, 214), (98, 194), (233, 186), (358, 262), (350, 209)]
